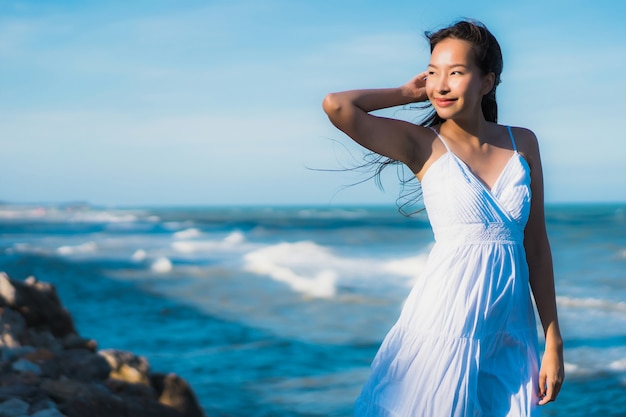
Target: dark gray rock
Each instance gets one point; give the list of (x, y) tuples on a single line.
[(13, 408), (12, 327), (126, 366), (23, 365), (175, 392), (49, 412), (38, 303)]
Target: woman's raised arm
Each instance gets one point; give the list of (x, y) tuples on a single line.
[(396, 139)]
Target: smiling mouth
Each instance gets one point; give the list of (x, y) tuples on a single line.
[(444, 102)]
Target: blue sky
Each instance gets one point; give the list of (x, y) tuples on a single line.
[(218, 102)]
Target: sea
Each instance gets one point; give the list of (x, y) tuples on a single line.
[(278, 311)]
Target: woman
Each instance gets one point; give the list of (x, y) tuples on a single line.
[(466, 340)]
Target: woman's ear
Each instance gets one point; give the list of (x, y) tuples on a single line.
[(488, 83)]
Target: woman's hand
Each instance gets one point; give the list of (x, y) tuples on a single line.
[(551, 375), (417, 87)]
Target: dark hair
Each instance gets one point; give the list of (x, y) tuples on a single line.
[(488, 56)]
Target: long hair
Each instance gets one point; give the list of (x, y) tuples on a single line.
[(488, 58)]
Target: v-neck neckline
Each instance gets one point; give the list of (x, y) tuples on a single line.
[(486, 186), (466, 167)]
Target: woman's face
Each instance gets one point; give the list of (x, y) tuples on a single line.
[(455, 85)]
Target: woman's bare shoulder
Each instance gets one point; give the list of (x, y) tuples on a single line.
[(525, 140), (527, 145)]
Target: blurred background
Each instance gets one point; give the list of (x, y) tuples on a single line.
[(164, 162)]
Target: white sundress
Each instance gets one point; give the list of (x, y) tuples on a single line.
[(465, 343)]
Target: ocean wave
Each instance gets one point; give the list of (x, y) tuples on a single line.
[(315, 270), (589, 362), (618, 365), (21, 247), (322, 394), (278, 262), (187, 234), (88, 247), (70, 214), (591, 303), (574, 370), (139, 255), (161, 265), (23, 213), (229, 242), (103, 217)]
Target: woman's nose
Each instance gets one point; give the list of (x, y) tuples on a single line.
[(442, 84)]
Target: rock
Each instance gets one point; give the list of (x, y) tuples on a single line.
[(94, 400), (7, 290), (13, 384), (127, 389), (11, 354), (176, 393), (38, 303), (13, 408), (44, 404), (66, 389), (79, 364), (39, 355), (44, 339), (50, 412), (126, 366), (23, 365), (74, 341), (48, 370), (12, 326)]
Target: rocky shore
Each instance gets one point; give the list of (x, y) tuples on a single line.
[(48, 370)]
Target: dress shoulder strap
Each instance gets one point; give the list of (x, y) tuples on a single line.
[(441, 139), (448, 148), (512, 139)]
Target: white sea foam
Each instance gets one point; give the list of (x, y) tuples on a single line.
[(618, 365), (26, 248), (591, 303), (234, 238), (78, 214), (278, 261), (139, 255), (88, 247), (570, 368), (229, 242), (584, 361), (18, 213), (187, 234), (161, 265), (314, 270), (586, 370), (102, 217), (409, 267)]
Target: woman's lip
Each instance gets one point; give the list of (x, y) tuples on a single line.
[(444, 102)]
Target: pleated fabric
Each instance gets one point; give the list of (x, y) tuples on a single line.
[(465, 343)]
